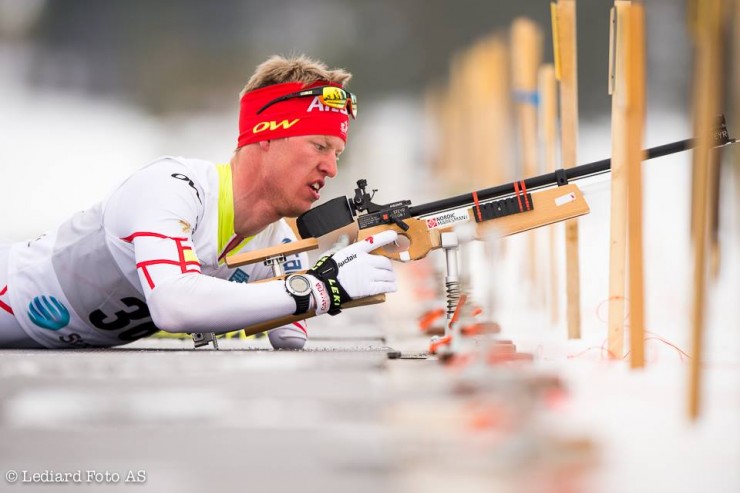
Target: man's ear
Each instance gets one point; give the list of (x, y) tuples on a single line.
[(264, 145)]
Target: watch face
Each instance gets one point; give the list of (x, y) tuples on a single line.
[(299, 284)]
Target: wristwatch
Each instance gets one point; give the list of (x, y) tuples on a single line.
[(299, 288)]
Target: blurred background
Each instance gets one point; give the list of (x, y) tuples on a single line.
[(93, 89)]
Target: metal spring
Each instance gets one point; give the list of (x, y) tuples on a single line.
[(453, 296)]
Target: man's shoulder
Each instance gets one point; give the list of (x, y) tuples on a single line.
[(197, 172), (163, 177), (179, 161)]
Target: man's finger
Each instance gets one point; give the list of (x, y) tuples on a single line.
[(376, 241), (379, 262), (380, 275)]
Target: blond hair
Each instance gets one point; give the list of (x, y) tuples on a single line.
[(278, 69)]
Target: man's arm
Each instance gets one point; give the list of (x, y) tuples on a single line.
[(155, 212)]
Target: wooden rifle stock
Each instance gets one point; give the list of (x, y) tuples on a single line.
[(289, 319), (285, 250)]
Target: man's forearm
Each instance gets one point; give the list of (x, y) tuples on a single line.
[(198, 303)]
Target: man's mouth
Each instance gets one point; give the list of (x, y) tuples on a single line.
[(316, 189)]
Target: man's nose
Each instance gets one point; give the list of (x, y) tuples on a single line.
[(328, 166)]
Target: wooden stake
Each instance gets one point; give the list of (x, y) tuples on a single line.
[(468, 99), (548, 87), (435, 106), (526, 56), (564, 43), (618, 222), (492, 158), (635, 112), (706, 105), (715, 254), (526, 47), (455, 123)]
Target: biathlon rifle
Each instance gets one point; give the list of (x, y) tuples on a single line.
[(505, 209)]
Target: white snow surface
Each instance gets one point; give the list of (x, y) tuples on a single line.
[(59, 153)]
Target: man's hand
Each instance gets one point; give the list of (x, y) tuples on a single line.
[(352, 273)]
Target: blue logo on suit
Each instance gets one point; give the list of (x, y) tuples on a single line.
[(239, 276), (47, 312)]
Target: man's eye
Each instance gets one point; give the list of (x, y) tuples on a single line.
[(320, 147)]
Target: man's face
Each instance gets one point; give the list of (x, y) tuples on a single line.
[(296, 169)]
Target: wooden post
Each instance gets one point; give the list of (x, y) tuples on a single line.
[(707, 27), (492, 161), (618, 222), (526, 57), (455, 129), (548, 88), (468, 98), (566, 69), (492, 146), (434, 109), (635, 113)]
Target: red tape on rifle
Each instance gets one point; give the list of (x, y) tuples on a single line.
[(518, 198), (477, 207), (524, 192)]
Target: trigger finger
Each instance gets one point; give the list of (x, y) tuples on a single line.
[(380, 239)]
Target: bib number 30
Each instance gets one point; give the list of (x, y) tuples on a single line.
[(122, 319)]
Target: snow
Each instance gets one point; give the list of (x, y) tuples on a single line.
[(60, 152)]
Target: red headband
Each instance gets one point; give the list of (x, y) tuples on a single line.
[(288, 118)]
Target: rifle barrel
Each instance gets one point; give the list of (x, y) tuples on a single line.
[(541, 181)]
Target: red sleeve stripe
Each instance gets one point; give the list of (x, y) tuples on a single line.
[(3, 305), (181, 255), (147, 263), (300, 327), (148, 278), (186, 266), (6, 308), (149, 234), (144, 266)]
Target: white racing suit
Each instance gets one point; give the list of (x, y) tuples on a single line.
[(150, 256)]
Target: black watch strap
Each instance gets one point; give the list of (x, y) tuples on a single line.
[(301, 296), (301, 303)]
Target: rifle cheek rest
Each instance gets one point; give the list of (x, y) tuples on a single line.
[(325, 218)]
